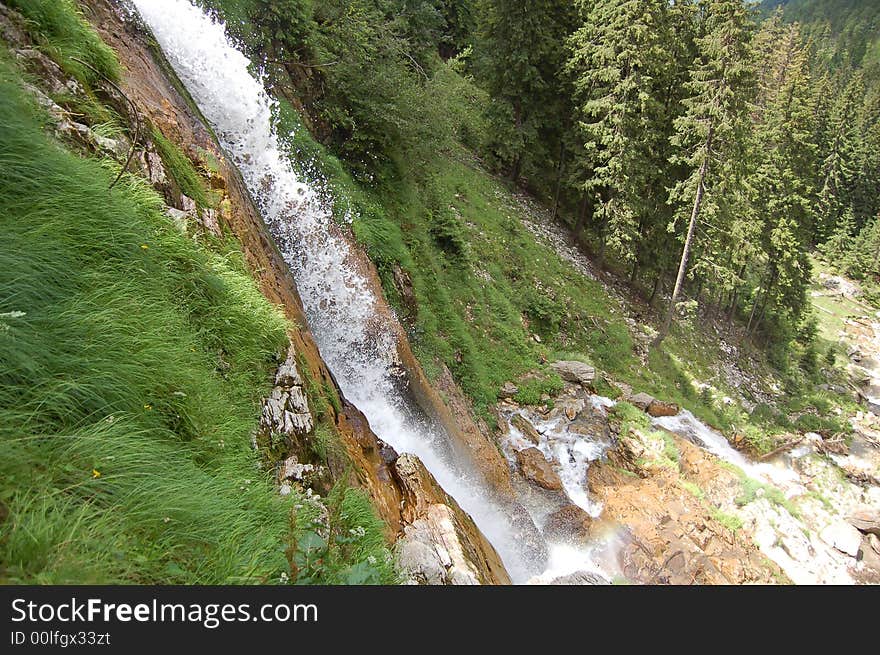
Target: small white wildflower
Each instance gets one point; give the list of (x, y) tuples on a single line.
[(372, 560), (285, 489), (284, 578)]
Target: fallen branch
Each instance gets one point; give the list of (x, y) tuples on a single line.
[(134, 111), (786, 446)]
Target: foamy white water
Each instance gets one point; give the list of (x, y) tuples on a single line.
[(340, 307), (690, 427)]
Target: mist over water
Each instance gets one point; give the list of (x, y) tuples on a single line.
[(339, 304)]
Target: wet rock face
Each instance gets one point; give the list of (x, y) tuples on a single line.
[(535, 467), (581, 578), (843, 536), (866, 520), (440, 543), (526, 428), (569, 523)]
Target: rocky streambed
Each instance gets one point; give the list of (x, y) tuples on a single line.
[(666, 500)]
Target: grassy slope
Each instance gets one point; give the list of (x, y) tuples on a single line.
[(132, 362), (484, 285)]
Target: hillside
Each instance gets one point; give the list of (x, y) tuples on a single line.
[(439, 292)]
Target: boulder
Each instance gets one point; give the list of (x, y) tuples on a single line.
[(658, 408), (866, 520), (527, 430), (591, 422), (843, 536), (642, 401), (508, 390), (868, 569), (577, 372), (569, 523), (566, 407), (535, 467)]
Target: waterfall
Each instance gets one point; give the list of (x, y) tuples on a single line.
[(339, 304)]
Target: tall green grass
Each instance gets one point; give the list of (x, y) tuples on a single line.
[(131, 366), (66, 36)]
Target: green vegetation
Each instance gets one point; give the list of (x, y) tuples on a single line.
[(693, 489), (181, 170), (630, 417), (323, 553), (132, 363), (729, 521), (66, 36), (753, 490), (531, 390)]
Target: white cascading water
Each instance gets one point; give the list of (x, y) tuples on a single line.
[(690, 427), (340, 306)]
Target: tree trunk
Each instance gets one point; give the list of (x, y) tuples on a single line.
[(732, 307), (516, 167), (559, 179), (657, 281), (688, 244), (766, 301), (581, 220), (754, 309)]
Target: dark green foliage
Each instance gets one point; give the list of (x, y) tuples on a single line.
[(348, 547)]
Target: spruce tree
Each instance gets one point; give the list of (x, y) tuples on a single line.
[(621, 62), (711, 133)]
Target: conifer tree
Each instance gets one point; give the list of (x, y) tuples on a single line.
[(620, 65), (711, 133), (520, 51)]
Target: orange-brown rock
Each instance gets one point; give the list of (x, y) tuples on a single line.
[(668, 535), (659, 408), (569, 523), (535, 467)]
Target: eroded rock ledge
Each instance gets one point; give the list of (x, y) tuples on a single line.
[(440, 542)]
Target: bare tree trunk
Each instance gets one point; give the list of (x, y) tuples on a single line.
[(688, 244), (581, 219), (559, 179), (752, 314), (657, 282), (732, 306)]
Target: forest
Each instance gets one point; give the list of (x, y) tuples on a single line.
[(747, 136)]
